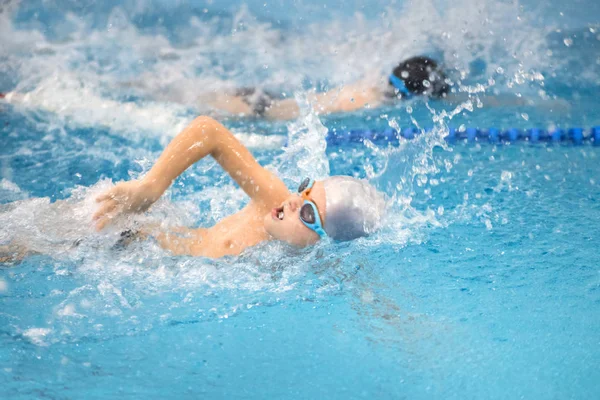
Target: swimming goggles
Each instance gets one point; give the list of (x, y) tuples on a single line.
[(400, 86), (309, 214)]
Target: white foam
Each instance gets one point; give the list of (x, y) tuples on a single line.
[(9, 186), (37, 336)]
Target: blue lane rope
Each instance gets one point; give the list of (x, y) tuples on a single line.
[(470, 135)]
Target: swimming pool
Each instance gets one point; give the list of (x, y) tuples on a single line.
[(483, 283)]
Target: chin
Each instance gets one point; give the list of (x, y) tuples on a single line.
[(271, 228)]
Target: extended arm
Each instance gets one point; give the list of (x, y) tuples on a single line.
[(342, 99)]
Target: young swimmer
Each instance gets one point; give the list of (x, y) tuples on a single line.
[(341, 208)]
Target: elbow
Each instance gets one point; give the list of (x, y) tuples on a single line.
[(203, 123), (203, 131), (210, 133)]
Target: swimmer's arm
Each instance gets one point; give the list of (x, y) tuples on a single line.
[(347, 98), (283, 110), (203, 137), (344, 99)]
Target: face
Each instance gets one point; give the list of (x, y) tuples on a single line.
[(283, 222)]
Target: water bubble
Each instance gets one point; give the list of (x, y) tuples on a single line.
[(67, 311), (426, 83), (568, 42), (506, 176), (37, 335), (404, 74), (525, 116)]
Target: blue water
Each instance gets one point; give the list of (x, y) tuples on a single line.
[(483, 283)]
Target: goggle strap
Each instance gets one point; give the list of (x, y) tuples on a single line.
[(400, 85)]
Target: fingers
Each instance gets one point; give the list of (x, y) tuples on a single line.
[(105, 219), (102, 222), (103, 197), (105, 208), (108, 195)]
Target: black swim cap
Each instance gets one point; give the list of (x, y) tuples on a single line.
[(422, 76)]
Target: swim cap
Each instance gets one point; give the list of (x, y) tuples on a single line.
[(419, 76), (353, 208)]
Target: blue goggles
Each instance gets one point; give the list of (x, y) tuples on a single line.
[(309, 214), (400, 86)]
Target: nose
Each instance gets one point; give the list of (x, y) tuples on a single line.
[(295, 203)]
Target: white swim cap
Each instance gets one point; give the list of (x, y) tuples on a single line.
[(353, 208)]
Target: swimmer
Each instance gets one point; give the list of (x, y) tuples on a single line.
[(416, 77), (340, 208)]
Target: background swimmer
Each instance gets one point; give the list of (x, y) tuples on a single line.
[(414, 77)]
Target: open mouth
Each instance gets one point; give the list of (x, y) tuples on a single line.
[(277, 213)]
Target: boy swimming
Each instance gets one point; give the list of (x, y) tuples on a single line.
[(341, 208)]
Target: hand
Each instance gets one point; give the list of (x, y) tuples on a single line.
[(125, 197)]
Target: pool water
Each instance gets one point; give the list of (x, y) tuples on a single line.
[(484, 281)]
